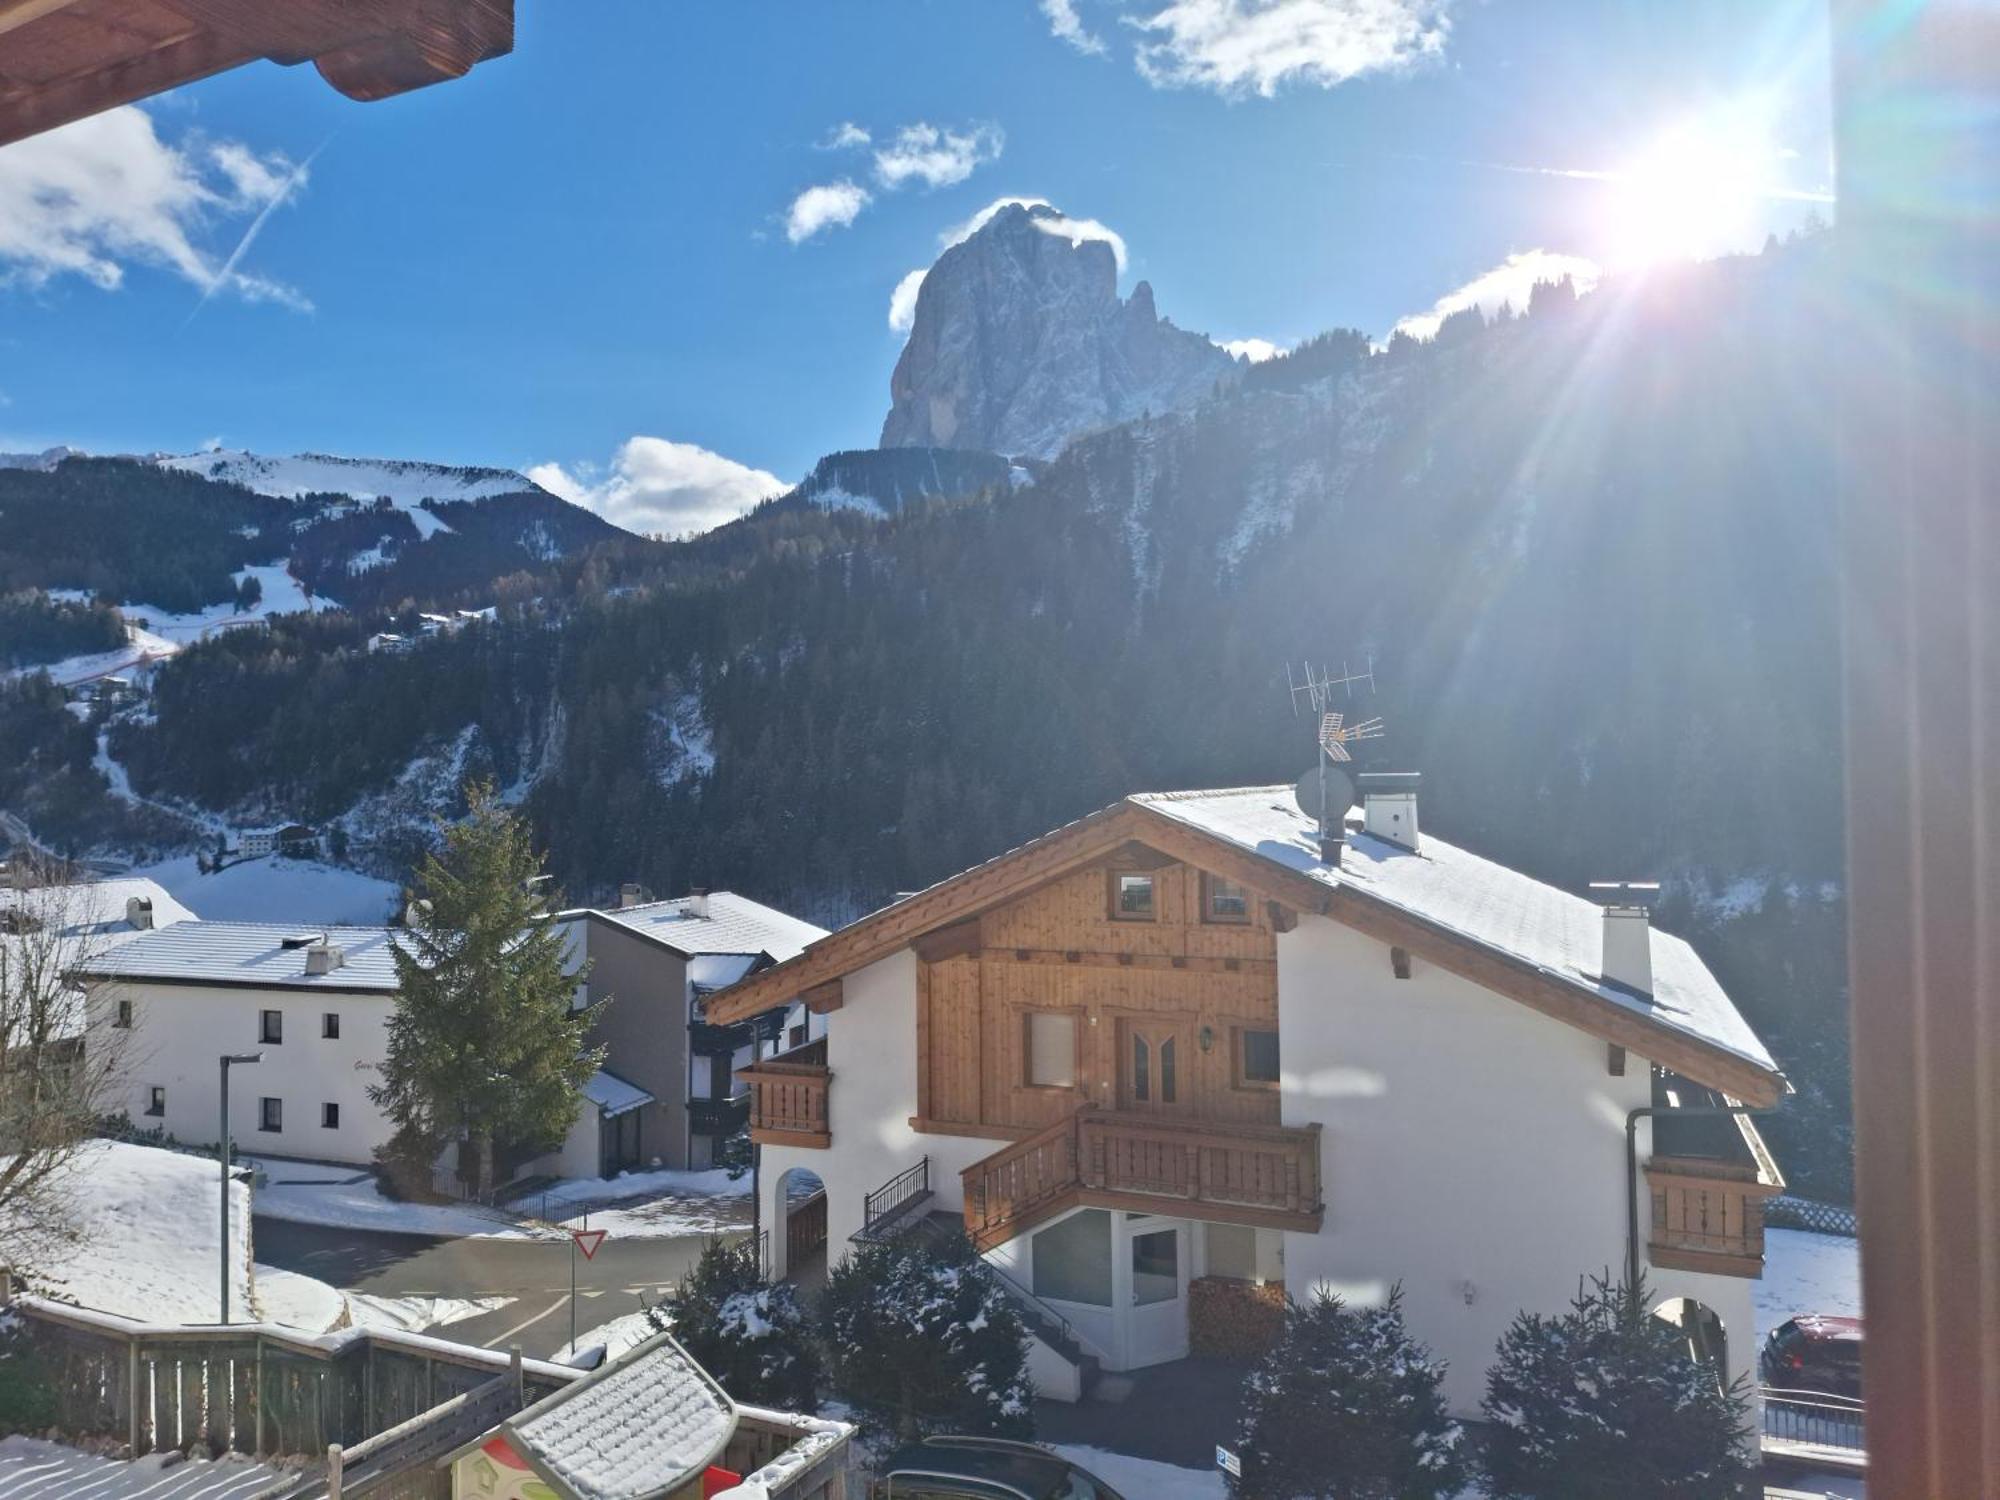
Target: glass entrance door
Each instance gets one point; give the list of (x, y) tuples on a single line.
[(1156, 1320)]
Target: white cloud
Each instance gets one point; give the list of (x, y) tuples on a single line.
[(1256, 351), (1511, 282), (830, 205), (657, 486), (936, 158), (1238, 47), (844, 137), (903, 301), (95, 197), (965, 229), (1076, 231), (1066, 25)]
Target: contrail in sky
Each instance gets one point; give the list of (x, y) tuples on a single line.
[(283, 195)]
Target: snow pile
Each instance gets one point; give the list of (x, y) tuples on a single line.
[(52, 1471), (277, 890), (649, 1205), (1144, 1476), (414, 1314), (348, 1198), (1806, 1273), (298, 1301), (138, 1235), (607, 1341)]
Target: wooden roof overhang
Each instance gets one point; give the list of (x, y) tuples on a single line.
[(1119, 833), (61, 60)]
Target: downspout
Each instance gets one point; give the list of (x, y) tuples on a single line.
[(1632, 1119)]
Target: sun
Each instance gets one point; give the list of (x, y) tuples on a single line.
[(1697, 191)]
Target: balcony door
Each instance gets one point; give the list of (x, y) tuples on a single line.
[(1156, 1064)]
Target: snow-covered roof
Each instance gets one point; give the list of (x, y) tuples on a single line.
[(734, 924), (612, 1095), (711, 971), (93, 913), (637, 1427), (1448, 887), (265, 955)]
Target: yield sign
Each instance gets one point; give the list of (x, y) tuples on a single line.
[(587, 1240)]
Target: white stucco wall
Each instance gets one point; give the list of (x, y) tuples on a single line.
[(179, 1032), (1472, 1150)]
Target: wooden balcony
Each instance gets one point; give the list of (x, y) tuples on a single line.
[(1708, 1215), (1263, 1175), (788, 1098)]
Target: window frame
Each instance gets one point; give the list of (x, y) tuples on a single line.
[(329, 1026), (121, 1015), (1114, 889), (329, 1115), (1239, 1076), (1246, 918), (156, 1101), (1070, 1013), (271, 1028), (270, 1107)]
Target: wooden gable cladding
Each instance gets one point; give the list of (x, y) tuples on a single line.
[(61, 60), (1058, 949)]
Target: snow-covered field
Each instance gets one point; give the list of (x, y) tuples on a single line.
[(276, 890), (404, 481), (418, 1314), (347, 1198), (650, 1205), (1143, 1478), (139, 1237), (298, 1301), (283, 595), (50, 1471), (1806, 1273)]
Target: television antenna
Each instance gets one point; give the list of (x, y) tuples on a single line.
[(1325, 793)]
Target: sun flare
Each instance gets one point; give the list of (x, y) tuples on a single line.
[(1695, 192)]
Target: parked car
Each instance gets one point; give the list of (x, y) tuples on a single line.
[(976, 1468), (1814, 1352)]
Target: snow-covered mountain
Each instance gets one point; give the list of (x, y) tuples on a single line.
[(47, 459), (1021, 342), (405, 482)]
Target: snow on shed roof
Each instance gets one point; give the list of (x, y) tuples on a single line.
[(93, 912), (637, 1427), (612, 1095), (1537, 923), (255, 954), (734, 924)]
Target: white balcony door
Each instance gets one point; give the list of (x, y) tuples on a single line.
[(1156, 1324)]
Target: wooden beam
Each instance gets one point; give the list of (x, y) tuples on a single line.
[(1399, 962), (824, 999), (1614, 1060), (18, 13), (1283, 918), (1187, 963), (959, 940)]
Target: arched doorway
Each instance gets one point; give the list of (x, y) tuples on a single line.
[(1701, 1331), (798, 1229)]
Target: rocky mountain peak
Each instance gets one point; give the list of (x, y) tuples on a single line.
[(1021, 342)]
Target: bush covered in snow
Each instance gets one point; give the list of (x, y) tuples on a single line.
[(750, 1334), (922, 1339), (1604, 1400), (1347, 1406)]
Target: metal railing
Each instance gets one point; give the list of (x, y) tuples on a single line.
[(1815, 1419), (906, 1185), (1788, 1212), (1038, 1309)]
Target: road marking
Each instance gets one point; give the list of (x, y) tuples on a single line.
[(552, 1307)]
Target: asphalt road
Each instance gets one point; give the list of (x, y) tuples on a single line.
[(534, 1273)]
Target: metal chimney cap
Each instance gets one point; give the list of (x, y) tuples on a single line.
[(1390, 782)]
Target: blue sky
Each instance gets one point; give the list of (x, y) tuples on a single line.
[(585, 243)]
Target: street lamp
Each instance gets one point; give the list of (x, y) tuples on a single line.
[(222, 1150)]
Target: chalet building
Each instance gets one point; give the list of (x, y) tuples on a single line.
[(657, 962), (168, 1002), (1184, 1054)]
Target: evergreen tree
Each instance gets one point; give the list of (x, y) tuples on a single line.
[(922, 1339), (1347, 1406), (484, 1046), (1604, 1400), (749, 1333)]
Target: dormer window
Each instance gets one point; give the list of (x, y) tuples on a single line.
[(1224, 900), (1133, 898)]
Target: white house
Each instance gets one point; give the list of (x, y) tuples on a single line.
[(1184, 1055), (315, 1004), (655, 963), (93, 915)]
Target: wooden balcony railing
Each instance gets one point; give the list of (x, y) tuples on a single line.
[(1241, 1174), (1707, 1215), (788, 1099)]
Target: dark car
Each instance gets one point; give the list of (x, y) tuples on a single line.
[(974, 1468), (1814, 1352)]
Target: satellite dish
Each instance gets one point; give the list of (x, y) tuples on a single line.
[(1325, 789)]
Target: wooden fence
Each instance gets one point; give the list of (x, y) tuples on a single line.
[(254, 1388)]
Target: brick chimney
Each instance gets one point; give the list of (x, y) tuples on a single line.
[(1627, 959), (1389, 806)]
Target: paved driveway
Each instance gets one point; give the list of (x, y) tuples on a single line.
[(534, 1273)]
